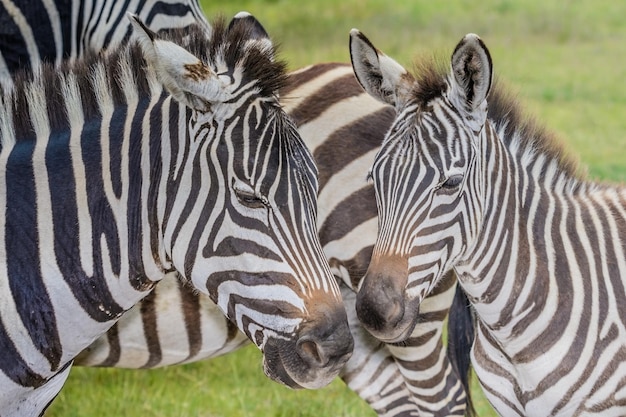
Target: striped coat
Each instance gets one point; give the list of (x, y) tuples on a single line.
[(39, 31), (163, 165), (464, 182), (332, 112)]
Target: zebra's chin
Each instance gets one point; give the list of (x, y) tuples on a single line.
[(282, 363)]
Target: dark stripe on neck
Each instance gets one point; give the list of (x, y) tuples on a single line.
[(303, 77), (92, 292), (173, 184), (355, 209), (331, 93), (156, 169), (116, 130), (167, 10), (22, 248), (136, 177)]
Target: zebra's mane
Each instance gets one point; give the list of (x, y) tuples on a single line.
[(523, 135), (226, 46), (530, 138), (257, 60)]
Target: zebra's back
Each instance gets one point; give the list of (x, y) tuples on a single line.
[(32, 32)]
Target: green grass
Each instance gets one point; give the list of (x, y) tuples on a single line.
[(564, 58), (230, 386)]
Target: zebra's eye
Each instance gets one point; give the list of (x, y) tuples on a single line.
[(249, 199), (453, 181)]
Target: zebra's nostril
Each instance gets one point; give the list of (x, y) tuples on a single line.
[(379, 310), (390, 305), (393, 313), (311, 352)]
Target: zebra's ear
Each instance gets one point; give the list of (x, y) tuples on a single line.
[(381, 76), (472, 73), (256, 33), (187, 78)]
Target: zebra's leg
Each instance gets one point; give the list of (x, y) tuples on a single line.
[(423, 359), (372, 372)]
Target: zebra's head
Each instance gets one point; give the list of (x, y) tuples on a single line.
[(239, 214), (425, 175)]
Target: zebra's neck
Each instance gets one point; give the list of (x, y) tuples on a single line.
[(539, 229), (82, 197)]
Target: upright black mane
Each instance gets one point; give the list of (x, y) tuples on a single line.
[(258, 61), (226, 45), (514, 123), (431, 75), (504, 111)]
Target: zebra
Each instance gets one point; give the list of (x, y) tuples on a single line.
[(463, 181), (38, 31), (135, 342), (343, 127), (165, 154), (331, 111)]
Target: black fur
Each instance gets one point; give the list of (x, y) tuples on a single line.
[(460, 340)]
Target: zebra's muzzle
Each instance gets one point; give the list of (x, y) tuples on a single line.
[(314, 358), (381, 304)]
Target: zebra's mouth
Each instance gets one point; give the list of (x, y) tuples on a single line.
[(275, 369), (282, 364), (314, 357)]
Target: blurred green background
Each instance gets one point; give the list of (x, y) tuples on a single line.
[(565, 59)]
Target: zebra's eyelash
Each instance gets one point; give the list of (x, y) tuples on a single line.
[(249, 197), (369, 177)]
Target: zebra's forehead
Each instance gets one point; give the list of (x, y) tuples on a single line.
[(304, 169), (424, 139), (269, 149)]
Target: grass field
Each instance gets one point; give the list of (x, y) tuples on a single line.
[(566, 60)]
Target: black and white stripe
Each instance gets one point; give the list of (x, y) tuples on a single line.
[(464, 182), (109, 181), (343, 126), (151, 334), (52, 30)]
